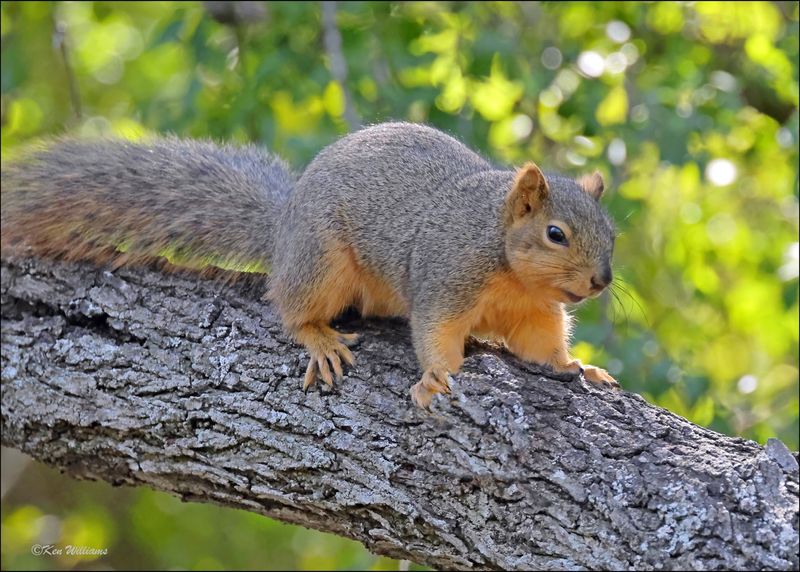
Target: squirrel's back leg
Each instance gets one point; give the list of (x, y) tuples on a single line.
[(311, 286)]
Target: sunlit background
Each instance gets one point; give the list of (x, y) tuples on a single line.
[(690, 110)]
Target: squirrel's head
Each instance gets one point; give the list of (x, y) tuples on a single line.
[(558, 236)]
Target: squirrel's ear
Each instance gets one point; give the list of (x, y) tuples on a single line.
[(527, 193), (593, 184)]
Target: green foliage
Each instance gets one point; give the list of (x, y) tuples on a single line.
[(147, 530), (690, 110)]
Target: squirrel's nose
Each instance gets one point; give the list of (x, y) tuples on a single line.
[(602, 279)]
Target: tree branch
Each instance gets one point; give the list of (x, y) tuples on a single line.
[(188, 386)]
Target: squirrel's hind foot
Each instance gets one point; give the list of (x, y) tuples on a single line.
[(327, 349)]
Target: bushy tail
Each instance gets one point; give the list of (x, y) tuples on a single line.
[(195, 203)]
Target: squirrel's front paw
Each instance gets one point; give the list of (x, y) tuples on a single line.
[(590, 373), (573, 366), (433, 381), (599, 376)]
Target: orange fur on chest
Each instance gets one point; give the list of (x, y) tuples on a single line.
[(505, 304)]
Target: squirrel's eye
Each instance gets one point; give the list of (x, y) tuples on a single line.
[(556, 235)]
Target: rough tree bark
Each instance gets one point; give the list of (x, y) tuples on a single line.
[(188, 386)]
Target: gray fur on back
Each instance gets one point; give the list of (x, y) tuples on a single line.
[(392, 191)]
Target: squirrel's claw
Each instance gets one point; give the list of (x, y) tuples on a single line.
[(336, 364), (311, 375), (325, 370)]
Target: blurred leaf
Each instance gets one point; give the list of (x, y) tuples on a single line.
[(614, 107), (689, 109)]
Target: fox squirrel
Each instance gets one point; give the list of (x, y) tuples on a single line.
[(397, 219)]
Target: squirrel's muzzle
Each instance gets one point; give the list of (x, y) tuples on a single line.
[(602, 278)]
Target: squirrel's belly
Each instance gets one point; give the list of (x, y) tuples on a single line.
[(376, 298), (372, 294)]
